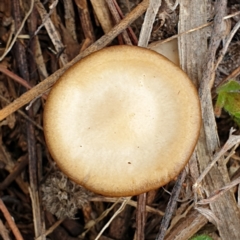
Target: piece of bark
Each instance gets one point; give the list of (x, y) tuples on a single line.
[(193, 49), (86, 23), (187, 226), (141, 217), (69, 16), (103, 14)]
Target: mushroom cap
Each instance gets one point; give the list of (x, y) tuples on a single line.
[(167, 49), (122, 121)]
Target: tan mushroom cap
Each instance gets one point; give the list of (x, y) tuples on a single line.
[(122, 121)]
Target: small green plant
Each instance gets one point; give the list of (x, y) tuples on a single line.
[(201, 237), (229, 99)]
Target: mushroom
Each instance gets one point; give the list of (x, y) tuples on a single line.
[(167, 49), (122, 121)]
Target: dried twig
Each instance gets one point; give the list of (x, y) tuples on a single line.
[(10, 221), (91, 223), (219, 192), (232, 75), (9, 166), (129, 29), (117, 19), (15, 77), (141, 216), (231, 142), (171, 206), (121, 208), (4, 231), (130, 203), (197, 28), (19, 167)]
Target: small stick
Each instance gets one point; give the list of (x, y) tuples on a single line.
[(232, 140), (197, 28), (117, 19), (171, 206), (121, 208), (4, 231), (15, 77), (18, 79), (130, 203), (18, 168), (219, 192), (129, 29), (141, 216), (91, 223), (233, 74), (23, 114), (10, 221)]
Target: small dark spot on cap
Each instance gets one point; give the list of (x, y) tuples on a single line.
[(129, 162)]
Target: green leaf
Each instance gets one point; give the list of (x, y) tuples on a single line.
[(229, 99), (201, 237)]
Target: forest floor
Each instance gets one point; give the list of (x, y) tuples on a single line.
[(39, 41)]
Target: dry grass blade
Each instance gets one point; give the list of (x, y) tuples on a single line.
[(148, 22), (18, 31), (121, 208)]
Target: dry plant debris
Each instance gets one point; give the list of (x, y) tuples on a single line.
[(62, 197), (39, 40)]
